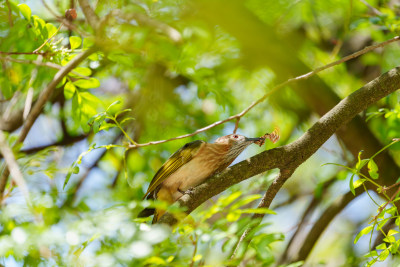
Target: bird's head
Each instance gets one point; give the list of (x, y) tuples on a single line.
[(237, 143)]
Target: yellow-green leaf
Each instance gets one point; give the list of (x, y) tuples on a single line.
[(358, 183), (51, 29), (75, 42), (373, 169), (364, 231), (25, 11), (392, 232), (69, 90), (87, 83), (83, 71)]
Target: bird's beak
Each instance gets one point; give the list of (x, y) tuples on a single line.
[(254, 139)]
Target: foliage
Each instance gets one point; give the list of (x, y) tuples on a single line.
[(162, 69)]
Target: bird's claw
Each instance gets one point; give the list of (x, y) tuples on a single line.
[(188, 191)]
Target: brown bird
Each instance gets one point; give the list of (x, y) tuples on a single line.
[(190, 166)]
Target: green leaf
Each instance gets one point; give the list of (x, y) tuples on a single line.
[(69, 90), (83, 71), (392, 232), (88, 42), (125, 120), (75, 42), (51, 29), (358, 183), (364, 231), (76, 106), (373, 169), (122, 111), (381, 246), (25, 11), (113, 104), (384, 254), (107, 126), (390, 239), (87, 83)]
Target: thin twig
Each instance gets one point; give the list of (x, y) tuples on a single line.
[(40, 63), (13, 167), (10, 20), (273, 90), (384, 206), (173, 34), (48, 40), (236, 125), (24, 53)]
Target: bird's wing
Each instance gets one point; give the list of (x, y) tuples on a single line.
[(177, 160)]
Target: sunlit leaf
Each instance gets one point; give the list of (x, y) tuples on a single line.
[(373, 169), (364, 231), (87, 83), (75, 42), (25, 11)]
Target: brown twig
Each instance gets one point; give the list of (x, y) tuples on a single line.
[(274, 89), (40, 63), (24, 53), (10, 20), (384, 206), (236, 125)]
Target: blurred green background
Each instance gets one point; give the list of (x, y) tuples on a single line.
[(179, 66)]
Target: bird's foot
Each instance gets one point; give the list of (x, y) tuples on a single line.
[(188, 191)]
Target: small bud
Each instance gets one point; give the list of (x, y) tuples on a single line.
[(70, 14)]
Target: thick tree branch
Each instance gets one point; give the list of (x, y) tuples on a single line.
[(288, 157)]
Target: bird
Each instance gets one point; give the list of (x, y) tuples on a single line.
[(190, 166)]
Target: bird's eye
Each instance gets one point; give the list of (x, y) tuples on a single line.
[(235, 136)]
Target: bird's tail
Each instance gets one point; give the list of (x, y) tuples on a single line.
[(146, 212)]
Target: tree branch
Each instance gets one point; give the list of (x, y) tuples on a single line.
[(40, 63), (13, 166), (90, 15), (274, 89), (290, 156)]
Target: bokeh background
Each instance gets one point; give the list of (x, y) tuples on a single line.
[(179, 66)]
